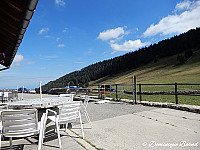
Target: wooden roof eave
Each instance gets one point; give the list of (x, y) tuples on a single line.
[(28, 13)]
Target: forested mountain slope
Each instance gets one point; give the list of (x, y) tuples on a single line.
[(180, 48), (166, 70)]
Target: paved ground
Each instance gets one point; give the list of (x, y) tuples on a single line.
[(120, 126), (68, 143), (32, 96), (123, 126)]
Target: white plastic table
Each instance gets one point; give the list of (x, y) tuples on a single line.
[(38, 103)]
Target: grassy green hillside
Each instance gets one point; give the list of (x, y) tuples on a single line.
[(165, 70)]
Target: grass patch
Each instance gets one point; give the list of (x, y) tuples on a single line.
[(182, 99), (86, 141), (93, 145)]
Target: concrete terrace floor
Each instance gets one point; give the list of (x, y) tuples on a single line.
[(50, 143), (123, 126)]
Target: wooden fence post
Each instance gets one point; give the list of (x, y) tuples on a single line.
[(134, 90), (116, 93), (2, 96), (99, 91), (140, 90), (176, 93), (110, 91), (120, 92)]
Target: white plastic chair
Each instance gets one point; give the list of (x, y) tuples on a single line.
[(86, 100), (85, 103), (3, 106), (22, 123), (68, 112), (71, 96)]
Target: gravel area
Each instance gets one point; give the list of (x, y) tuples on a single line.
[(113, 109)]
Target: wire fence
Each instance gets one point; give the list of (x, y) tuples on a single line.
[(178, 93)]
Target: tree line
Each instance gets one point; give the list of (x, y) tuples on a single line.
[(177, 45)]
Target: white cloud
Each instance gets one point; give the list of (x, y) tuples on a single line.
[(31, 63), (183, 5), (117, 34), (128, 45), (57, 39), (48, 57), (177, 23), (18, 59), (90, 51), (64, 30), (2, 67), (48, 36), (44, 30), (61, 45), (60, 2), (79, 62), (111, 34)]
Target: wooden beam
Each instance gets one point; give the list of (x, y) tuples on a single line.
[(19, 5), (8, 35), (11, 31), (9, 22), (11, 12)]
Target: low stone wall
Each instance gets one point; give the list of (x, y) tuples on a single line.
[(190, 108), (184, 107), (169, 92), (165, 92)]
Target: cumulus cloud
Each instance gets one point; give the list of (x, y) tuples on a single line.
[(18, 59), (60, 2), (61, 45), (188, 19), (128, 45), (111, 34), (117, 34), (44, 30)]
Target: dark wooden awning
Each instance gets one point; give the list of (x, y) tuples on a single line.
[(15, 16)]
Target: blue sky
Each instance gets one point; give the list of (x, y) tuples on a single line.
[(67, 35)]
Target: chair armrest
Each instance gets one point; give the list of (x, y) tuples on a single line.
[(49, 110)]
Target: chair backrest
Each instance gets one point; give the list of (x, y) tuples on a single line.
[(3, 106), (71, 96), (19, 123), (69, 111)]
